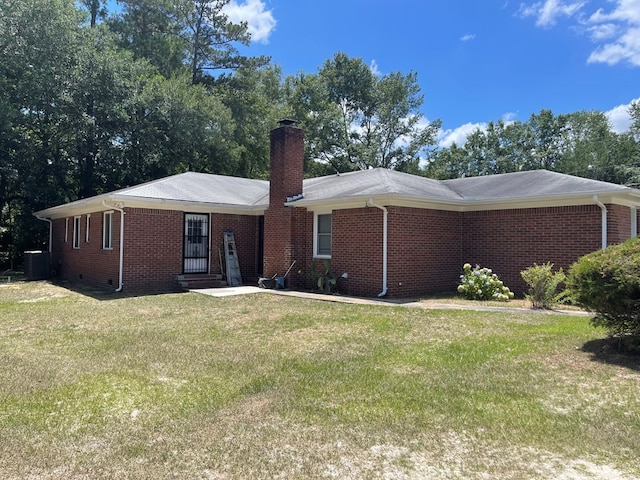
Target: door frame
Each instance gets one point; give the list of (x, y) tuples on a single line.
[(196, 238)]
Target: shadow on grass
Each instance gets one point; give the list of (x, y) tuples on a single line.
[(102, 294), (609, 351)]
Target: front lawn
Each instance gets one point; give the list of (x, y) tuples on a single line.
[(262, 386)]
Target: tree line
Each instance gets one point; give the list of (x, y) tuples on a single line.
[(580, 143), (93, 100)]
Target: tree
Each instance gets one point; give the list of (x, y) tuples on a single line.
[(37, 44), (96, 9), (354, 119), (255, 100), (151, 30), (581, 143), (630, 144), (606, 282), (174, 127), (211, 38)]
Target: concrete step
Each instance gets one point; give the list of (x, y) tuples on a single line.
[(190, 281)]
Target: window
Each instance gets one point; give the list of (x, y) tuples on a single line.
[(322, 236), (107, 236), (86, 238), (194, 230), (66, 230), (76, 232)]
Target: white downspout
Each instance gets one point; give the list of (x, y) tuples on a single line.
[(371, 203), (634, 222), (50, 228), (120, 266), (604, 220)]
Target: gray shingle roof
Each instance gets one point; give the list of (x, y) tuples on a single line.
[(204, 188), (224, 192), (534, 183), (375, 182)]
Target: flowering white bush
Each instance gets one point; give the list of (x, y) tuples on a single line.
[(482, 284)]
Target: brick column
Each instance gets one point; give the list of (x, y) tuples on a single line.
[(285, 180)]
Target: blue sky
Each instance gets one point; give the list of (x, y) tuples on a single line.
[(476, 60)]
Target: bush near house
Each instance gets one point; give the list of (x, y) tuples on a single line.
[(607, 282), (482, 284), (543, 285)]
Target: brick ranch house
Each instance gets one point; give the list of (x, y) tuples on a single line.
[(384, 232)]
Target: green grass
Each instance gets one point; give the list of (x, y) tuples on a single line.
[(264, 386)]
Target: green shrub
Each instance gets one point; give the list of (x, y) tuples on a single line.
[(543, 285), (482, 284), (607, 282), (325, 281)]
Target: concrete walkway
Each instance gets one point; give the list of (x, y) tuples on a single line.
[(396, 302)]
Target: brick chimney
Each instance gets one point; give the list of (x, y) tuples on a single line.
[(287, 162), (285, 180)]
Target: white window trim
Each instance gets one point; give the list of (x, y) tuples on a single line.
[(86, 238), (104, 236), (77, 225), (315, 233)]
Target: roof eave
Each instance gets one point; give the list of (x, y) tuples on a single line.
[(127, 201), (627, 198)]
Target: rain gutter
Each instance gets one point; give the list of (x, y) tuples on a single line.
[(604, 220), (50, 228), (371, 203), (121, 263)]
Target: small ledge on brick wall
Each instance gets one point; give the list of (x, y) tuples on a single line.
[(295, 198)]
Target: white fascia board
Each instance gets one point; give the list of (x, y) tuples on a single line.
[(187, 206), (618, 198), (95, 204), (79, 207)]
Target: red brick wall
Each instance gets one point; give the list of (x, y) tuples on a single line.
[(356, 248), (153, 249), (508, 241), (424, 251), (281, 223), (427, 248), (286, 163), (618, 224), (246, 234), (89, 264)]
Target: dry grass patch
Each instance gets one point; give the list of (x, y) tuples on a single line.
[(262, 386)]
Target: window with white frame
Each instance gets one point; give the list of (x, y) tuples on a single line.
[(107, 231), (76, 232), (322, 236), (86, 238)]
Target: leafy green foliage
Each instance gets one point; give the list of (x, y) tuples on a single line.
[(479, 283), (580, 143), (543, 285), (607, 282), (325, 280), (354, 119)]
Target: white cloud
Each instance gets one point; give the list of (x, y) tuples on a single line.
[(548, 12), (459, 135), (260, 21), (468, 37), (509, 117), (619, 117), (375, 69), (603, 31), (623, 22), (616, 31)]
